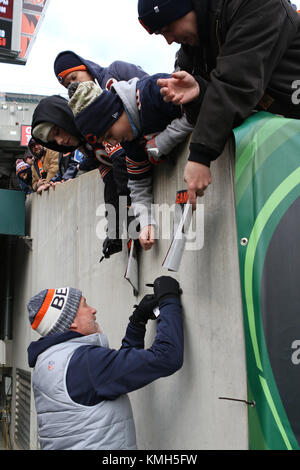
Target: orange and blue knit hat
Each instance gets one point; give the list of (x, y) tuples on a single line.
[(21, 166), (65, 63), (53, 310)]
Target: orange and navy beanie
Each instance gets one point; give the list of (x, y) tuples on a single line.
[(65, 63), (21, 166), (53, 310)]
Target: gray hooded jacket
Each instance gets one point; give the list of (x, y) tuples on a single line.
[(174, 133), (66, 425)]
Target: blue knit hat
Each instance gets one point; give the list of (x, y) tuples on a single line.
[(155, 14), (95, 110), (53, 310)]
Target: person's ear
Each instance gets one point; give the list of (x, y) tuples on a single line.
[(73, 326)]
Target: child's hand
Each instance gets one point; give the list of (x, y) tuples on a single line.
[(154, 154), (147, 236), (180, 89)]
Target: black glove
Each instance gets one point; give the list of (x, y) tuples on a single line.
[(110, 247), (144, 311), (166, 286)]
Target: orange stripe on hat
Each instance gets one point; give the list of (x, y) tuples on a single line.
[(64, 73), (43, 310)]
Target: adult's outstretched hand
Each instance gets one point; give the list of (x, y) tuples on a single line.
[(197, 177), (182, 88)]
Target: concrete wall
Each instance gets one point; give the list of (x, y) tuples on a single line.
[(182, 411)]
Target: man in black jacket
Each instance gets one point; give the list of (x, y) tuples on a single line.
[(244, 56)]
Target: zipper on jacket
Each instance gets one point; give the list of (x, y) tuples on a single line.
[(219, 10), (217, 34), (205, 59)]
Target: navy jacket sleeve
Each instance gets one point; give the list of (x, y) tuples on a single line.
[(71, 171), (125, 70), (96, 373), (88, 164), (24, 187)]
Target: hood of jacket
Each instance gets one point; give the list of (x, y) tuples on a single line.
[(105, 76), (94, 69), (127, 92), (55, 109), (38, 347), (201, 8)]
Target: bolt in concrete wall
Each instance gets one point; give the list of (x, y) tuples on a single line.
[(182, 411)]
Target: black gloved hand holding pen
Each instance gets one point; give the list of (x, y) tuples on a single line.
[(144, 310)]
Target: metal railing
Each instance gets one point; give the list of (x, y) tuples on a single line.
[(22, 416)]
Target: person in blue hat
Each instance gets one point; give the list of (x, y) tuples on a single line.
[(244, 56), (69, 67), (125, 114)]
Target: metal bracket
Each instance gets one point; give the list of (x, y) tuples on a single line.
[(28, 241), (249, 403)]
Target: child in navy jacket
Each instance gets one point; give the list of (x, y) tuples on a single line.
[(69, 67), (110, 161), (125, 114)]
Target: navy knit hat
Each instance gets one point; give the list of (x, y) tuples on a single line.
[(95, 110), (155, 14), (53, 310), (65, 63)]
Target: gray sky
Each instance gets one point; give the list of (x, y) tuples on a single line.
[(99, 30)]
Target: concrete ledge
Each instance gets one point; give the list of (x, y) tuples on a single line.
[(184, 410)]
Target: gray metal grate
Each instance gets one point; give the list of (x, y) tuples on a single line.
[(22, 420)]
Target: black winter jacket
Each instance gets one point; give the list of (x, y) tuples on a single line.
[(248, 59)]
